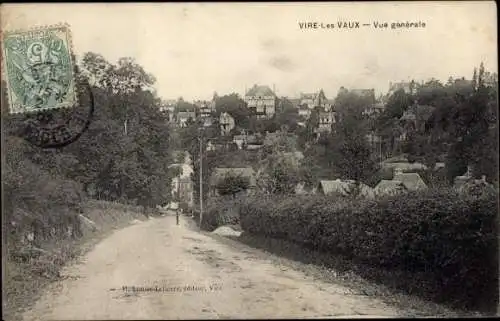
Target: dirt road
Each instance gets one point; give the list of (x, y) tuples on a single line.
[(197, 277)]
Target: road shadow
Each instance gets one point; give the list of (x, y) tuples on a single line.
[(395, 286)]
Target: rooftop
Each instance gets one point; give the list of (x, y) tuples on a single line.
[(258, 90), (412, 181), (344, 187), (219, 173), (186, 114), (389, 187)]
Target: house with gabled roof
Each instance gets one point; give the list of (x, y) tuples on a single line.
[(262, 101), (168, 107), (184, 116), (374, 109), (304, 112), (325, 122), (409, 87), (312, 100), (344, 188), (389, 188), (411, 181), (414, 119), (226, 123)]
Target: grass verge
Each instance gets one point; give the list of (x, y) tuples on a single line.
[(365, 279), (25, 281)]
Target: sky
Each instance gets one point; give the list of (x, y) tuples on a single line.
[(195, 49)]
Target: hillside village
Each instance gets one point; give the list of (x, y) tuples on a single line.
[(246, 129), (229, 161)]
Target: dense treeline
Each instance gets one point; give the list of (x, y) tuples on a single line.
[(454, 123), (123, 156)]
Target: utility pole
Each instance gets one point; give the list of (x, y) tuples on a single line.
[(201, 178)]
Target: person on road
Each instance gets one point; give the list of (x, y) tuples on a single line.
[(175, 207)]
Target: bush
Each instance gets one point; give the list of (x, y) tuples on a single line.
[(221, 211), (232, 184), (450, 238)]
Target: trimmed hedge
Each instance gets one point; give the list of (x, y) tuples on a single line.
[(221, 211), (451, 238)]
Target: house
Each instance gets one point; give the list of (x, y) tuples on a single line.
[(374, 109), (401, 162), (474, 186), (272, 138), (389, 188), (218, 174), (226, 123), (184, 116), (240, 140), (182, 185), (411, 181), (344, 188), (168, 107), (213, 146), (415, 119), (182, 190), (325, 121), (304, 112), (409, 87), (220, 145), (490, 79), (205, 112), (295, 102), (262, 101), (404, 166), (439, 166), (313, 100)]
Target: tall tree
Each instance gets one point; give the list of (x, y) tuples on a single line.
[(236, 107), (350, 152)]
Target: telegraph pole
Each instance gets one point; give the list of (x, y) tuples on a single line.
[(201, 178)]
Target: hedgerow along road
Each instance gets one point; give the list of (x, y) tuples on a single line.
[(181, 273)]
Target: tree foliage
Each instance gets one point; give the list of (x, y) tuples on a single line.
[(234, 106), (278, 175), (125, 152), (232, 184)]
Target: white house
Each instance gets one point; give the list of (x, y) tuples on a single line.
[(326, 121), (184, 116), (312, 100), (226, 123), (262, 100)]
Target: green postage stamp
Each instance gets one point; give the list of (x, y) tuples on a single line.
[(38, 68)]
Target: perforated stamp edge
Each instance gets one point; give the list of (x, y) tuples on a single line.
[(5, 77)]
